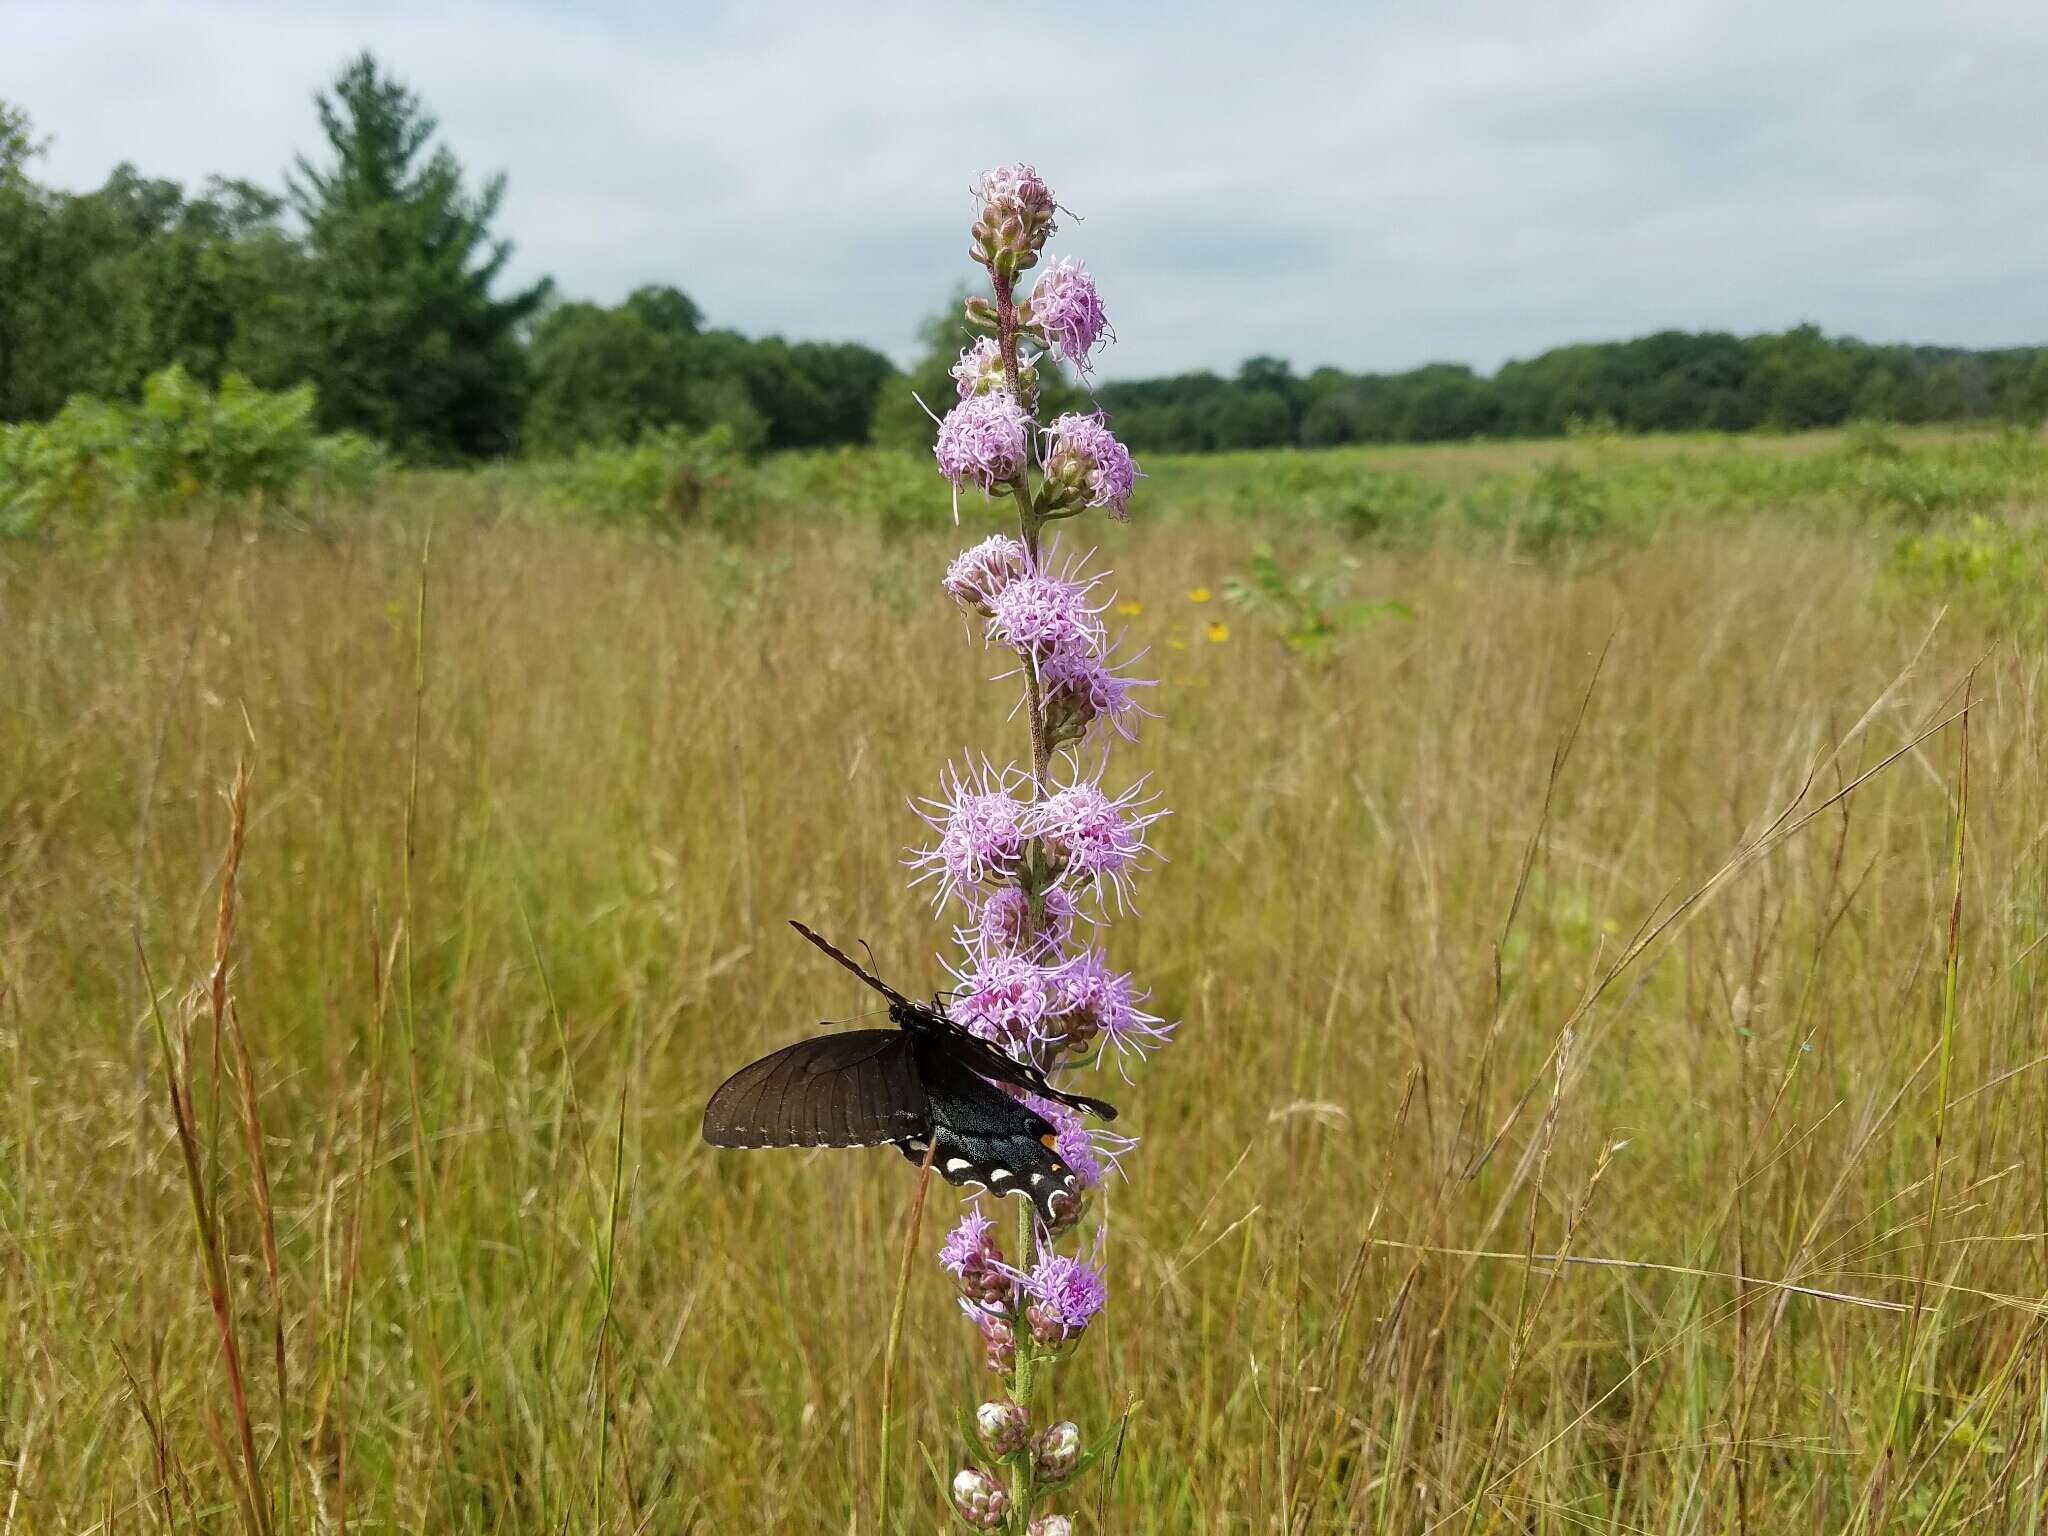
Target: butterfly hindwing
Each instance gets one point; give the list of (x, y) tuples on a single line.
[(985, 1137), (860, 1088)]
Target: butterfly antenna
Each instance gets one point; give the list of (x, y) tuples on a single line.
[(851, 964)]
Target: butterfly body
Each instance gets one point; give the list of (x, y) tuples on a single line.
[(926, 1084)]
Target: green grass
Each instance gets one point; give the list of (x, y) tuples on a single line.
[(1401, 922)]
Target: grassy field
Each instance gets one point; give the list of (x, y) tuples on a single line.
[(1677, 937)]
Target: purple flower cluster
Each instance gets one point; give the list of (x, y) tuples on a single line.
[(980, 822), (1086, 466), (1088, 842), (1002, 999), (1004, 924), (1016, 192), (970, 1254), (980, 371), (1095, 1005), (1080, 687), (982, 443), (1041, 615), (979, 573), (1066, 312), (1037, 858), (1056, 628), (1064, 1295), (1096, 841)]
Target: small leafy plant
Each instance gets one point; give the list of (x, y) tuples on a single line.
[(1309, 609)]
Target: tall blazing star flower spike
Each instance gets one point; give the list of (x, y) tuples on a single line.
[(1033, 864)]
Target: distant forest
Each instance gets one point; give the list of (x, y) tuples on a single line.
[(375, 273), (1674, 381)]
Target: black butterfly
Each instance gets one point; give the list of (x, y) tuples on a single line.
[(925, 1082)]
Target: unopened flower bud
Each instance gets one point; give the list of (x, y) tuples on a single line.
[(999, 1341), (1015, 221), (1055, 1453), (1004, 1427), (1050, 1525), (979, 1499)]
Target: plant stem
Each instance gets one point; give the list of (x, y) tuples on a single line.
[(1021, 1384), (607, 1270), (409, 1014), (251, 1502), (924, 1179), (1877, 1487), (1029, 522)]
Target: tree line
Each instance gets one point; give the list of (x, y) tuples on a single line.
[(375, 274), (1673, 381)]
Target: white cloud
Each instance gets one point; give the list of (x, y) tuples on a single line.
[(1367, 185)]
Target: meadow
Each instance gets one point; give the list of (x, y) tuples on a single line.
[(1605, 903)]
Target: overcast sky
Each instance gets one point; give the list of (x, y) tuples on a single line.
[(1369, 185)]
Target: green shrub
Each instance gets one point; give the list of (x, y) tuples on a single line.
[(1871, 440), (1372, 505), (182, 443), (1565, 504), (1985, 565), (668, 477), (893, 490)]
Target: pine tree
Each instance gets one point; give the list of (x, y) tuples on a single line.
[(402, 335)]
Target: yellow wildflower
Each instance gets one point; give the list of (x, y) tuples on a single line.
[(1219, 632), (1131, 606), (1198, 594)]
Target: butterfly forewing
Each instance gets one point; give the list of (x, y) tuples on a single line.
[(856, 1089), (1000, 1067)]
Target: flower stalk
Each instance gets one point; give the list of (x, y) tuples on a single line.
[(1039, 858)]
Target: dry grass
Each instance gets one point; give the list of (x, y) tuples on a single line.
[(519, 1294)]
